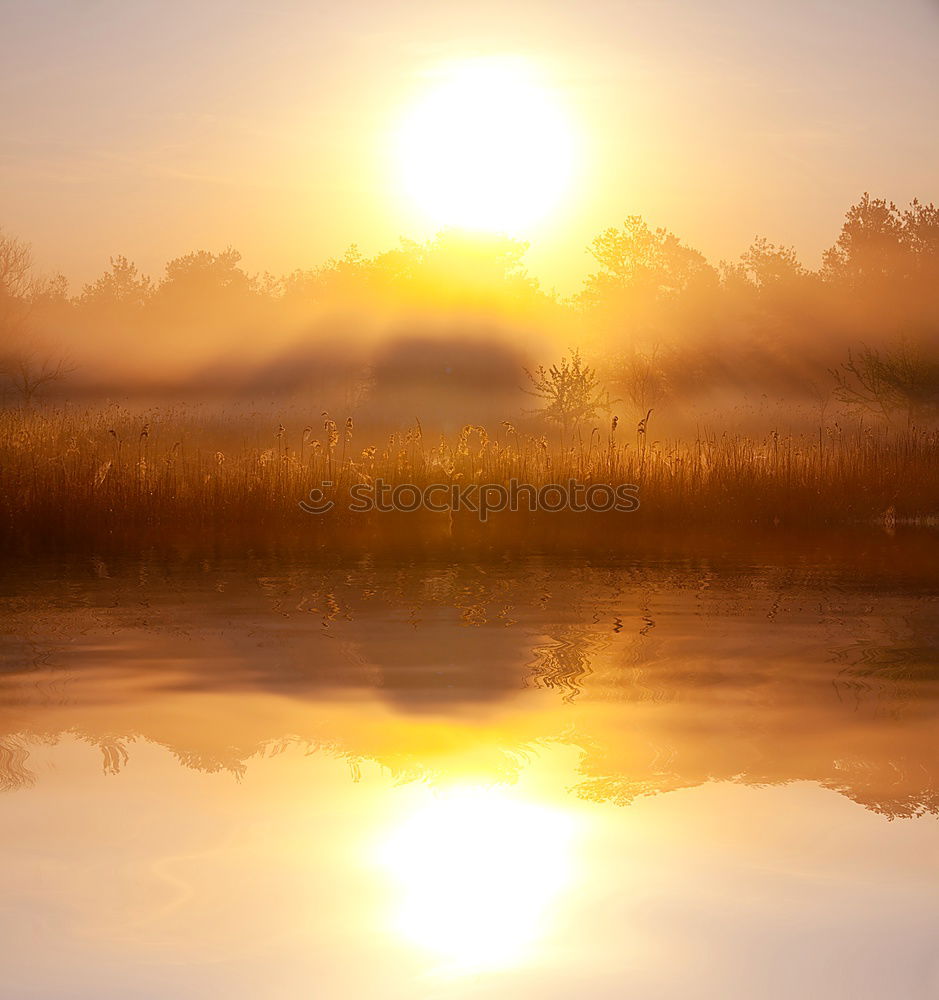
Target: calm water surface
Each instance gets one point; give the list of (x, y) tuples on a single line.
[(250, 779)]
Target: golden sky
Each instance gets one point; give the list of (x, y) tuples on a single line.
[(155, 128)]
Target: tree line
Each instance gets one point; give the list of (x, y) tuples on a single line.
[(654, 315)]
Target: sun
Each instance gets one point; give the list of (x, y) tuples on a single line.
[(488, 147), (478, 872)]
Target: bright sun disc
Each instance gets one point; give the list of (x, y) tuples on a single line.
[(478, 871), (488, 148)]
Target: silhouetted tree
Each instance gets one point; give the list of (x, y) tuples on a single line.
[(904, 379), (27, 373), (642, 261), (643, 376), (204, 281), (17, 286), (880, 244), (770, 266), (22, 368), (122, 285), (569, 390)]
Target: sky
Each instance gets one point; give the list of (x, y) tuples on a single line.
[(151, 129)]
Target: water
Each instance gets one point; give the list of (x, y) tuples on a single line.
[(261, 778)]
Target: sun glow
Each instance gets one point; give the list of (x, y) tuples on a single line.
[(487, 148), (478, 871)]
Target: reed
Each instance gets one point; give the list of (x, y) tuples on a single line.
[(73, 476)]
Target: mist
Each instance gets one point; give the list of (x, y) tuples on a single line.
[(446, 331)]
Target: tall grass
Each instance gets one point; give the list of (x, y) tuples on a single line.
[(71, 476)]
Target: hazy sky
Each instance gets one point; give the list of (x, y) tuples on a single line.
[(155, 128)]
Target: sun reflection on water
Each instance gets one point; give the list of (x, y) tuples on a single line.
[(478, 870)]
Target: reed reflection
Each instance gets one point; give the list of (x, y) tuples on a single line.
[(660, 676)]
